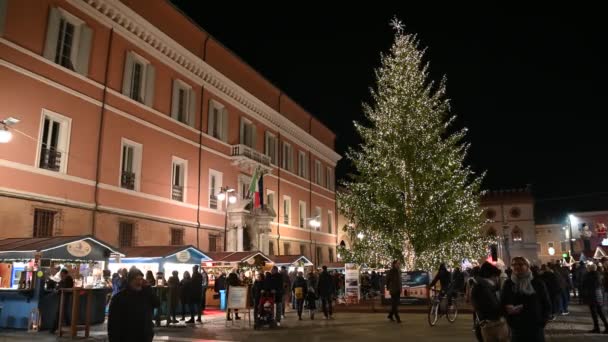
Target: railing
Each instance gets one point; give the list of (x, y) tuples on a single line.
[(177, 193), (213, 202), (50, 159), (246, 151), (127, 180), (286, 219), (301, 223)]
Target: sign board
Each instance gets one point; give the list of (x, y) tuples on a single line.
[(237, 297), (79, 248), (352, 283), (183, 256)]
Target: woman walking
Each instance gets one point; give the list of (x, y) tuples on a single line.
[(593, 296)]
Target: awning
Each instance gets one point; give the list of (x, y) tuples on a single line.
[(334, 265), (184, 254), (237, 257), (291, 260), (77, 248)]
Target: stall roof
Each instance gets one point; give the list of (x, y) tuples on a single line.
[(160, 251), (236, 256), (26, 247), (290, 259), (334, 265)]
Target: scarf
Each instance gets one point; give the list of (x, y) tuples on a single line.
[(523, 283)]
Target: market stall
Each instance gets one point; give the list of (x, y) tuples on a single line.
[(293, 263), (29, 267)]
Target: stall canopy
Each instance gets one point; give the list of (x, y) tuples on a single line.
[(334, 265), (84, 248), (176, 254), (291, 260), (237, 257)]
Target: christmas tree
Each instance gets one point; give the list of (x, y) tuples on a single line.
[(411, 198)]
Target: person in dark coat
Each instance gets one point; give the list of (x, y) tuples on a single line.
[(299, 289), (393, 286), (286, 289), (326, 290), (444, 278), (233, 280), (580, 271), (457, 281), (486, 304), (220, 283), (552, 283), (131, 311), (184, 292), (196, 292), (276, 285), (526, 303), (150, 278), (66, 282), (173, 284), (592, 296), (256, 292)]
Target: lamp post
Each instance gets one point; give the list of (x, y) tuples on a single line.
[(570, 237), (5, 134), (313, 222), (226, 196)]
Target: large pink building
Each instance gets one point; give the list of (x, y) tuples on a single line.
[(133, 119)]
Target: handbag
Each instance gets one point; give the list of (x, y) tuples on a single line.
[(495, 331)]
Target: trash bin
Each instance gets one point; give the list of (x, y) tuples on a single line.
[(222, 299)]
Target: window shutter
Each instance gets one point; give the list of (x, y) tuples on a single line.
[(253, 136), (126, 78), (192, 109), (242, 133), (52, 33), (224, 124), (175, 99), (211, 119), (150, 76), (84, 50), (3, 10)]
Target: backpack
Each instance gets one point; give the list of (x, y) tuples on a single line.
[(299, 292)]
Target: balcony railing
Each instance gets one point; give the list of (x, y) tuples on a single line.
[(50, 159), (246, 151), (177, 193), (212, 202), (127, 180), (286, 219)]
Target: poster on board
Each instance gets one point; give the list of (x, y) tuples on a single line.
[(237, 297), (352, 283)]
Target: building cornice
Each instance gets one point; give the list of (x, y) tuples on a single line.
[(115, 14)]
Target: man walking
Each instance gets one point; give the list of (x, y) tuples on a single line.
[(326, 291), (393, 285), (276, 281)]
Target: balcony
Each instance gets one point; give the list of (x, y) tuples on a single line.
[(177, 193), (213, 202), (248, 159), (127, 180), (50, 159)]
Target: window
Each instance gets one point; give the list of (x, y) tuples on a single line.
[(270, 198), (3, 10), (270, 248), (271, 147), (244, 183), (215, 183), (247, 133), (125, 234), (319, 256), (286, 210), (286, 250), (550, 245), (331, 254), (302, 164), (68, 41), (218, 121), (302, 250), (130, 166), (287, 158), (138, 79), (54, 141), (178, 179), (517, 234), (564, 246), (213, 243), (330, 222), (302, 214), (317, 215), (491, 232), (177, 236), (44, 221), (318, 174), (328, 178), (183, 103)]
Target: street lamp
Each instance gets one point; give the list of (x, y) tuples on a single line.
[(5, 134), (313, 222), (226, 195)]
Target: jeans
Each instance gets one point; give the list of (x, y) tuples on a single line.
[(278, 308), (194, 308), (565, 300), (326, 301), (596, 310), (528, 335), (394, 306), (300, 306)]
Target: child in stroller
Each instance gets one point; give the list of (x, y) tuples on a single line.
[(265, 311)]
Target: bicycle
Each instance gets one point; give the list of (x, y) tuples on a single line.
[(439, 307)]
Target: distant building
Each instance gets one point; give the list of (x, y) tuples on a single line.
[(552, 241)]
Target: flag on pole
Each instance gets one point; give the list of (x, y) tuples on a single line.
[(256, 187)]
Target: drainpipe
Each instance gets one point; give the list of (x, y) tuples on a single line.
[(312, 256), (100, 137), (279, 202), (200, 152)]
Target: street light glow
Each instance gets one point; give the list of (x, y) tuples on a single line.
[(360, 235), (221, 196), (232, 199), (5, 135)]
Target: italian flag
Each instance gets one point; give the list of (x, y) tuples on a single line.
[(255, 188)]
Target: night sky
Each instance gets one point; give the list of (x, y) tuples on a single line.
[(530, 89)]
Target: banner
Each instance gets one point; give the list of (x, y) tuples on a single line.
[(351, 286)]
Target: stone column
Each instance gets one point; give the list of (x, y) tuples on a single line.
[(239, 238)]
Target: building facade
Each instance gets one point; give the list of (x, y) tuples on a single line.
[(553, 242), (133, 120), (510, 218)]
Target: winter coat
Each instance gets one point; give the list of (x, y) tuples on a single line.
[(286, 281), (311, 284), (325, 286), (393, 281), (196, 289), (444, 279), (485, 301), (458, 281), (300, 282), (536, 307), (276, 284), (220, 284), (173, 284), (131, 314), (205, 280), (591, 284), (256, 291), (552, 283), (185, 291)]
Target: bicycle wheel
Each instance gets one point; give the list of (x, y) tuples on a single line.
[(433, 316), (452, 313)]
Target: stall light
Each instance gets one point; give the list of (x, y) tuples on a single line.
[(5, 135), (551, 251), (231, 199), (208, 264)]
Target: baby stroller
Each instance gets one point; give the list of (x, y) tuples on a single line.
[(265, 312)]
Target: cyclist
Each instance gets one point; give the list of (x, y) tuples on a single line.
[(444, 278)]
